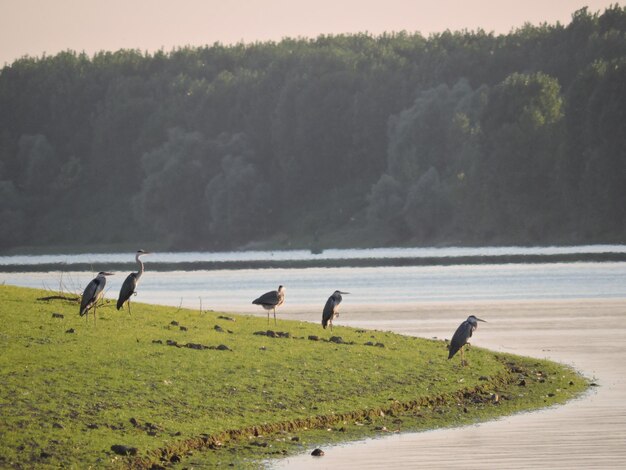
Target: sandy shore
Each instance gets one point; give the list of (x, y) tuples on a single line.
[(586, 433)]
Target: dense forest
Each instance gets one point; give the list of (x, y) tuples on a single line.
[(459, 138)]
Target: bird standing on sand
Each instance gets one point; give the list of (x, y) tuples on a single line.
[(130, 283), (271, 300), (331, 309), (92, 293), (461, 335)]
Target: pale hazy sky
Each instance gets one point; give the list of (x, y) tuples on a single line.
[(35, 27)]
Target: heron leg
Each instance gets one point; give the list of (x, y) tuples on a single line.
[(331, 324), (274, 315), (268, 317), (463, 361), (129, 306)]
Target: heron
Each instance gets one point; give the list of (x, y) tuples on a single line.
[(131, 282), (270, 300), (331, 309), (92, 293), (462, 334)]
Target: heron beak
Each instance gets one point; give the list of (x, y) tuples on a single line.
[(480, 319), (343, 293), (109, 274)]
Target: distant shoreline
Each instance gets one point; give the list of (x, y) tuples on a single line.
[(330, 263)]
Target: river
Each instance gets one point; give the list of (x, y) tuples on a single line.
[(573, 313), (308, 288)]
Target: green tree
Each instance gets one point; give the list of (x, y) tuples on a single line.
[(603, 148), (238, 198), (431, 147), (427, 207), (171, 199), (522, 130), (386, 201), (12, 216), (39, 165)]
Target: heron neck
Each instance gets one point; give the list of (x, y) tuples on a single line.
[(140, 272)]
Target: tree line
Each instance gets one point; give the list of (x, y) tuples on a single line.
[(348, 140)]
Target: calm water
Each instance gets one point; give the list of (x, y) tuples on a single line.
[(233, 290)]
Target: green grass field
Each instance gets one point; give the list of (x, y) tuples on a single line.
[(182, 388)]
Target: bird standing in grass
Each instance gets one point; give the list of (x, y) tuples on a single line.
[(331, 309), (271, 300), (92, 293), (461, 335), (130, 283)]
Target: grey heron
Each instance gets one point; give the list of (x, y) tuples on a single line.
[(131, 281), (270, 300), (462, 334), (331, 309), (92, 293)]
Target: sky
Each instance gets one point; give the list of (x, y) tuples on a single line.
[(46, 27)]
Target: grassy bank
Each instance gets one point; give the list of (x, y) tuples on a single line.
[(183, 387)]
